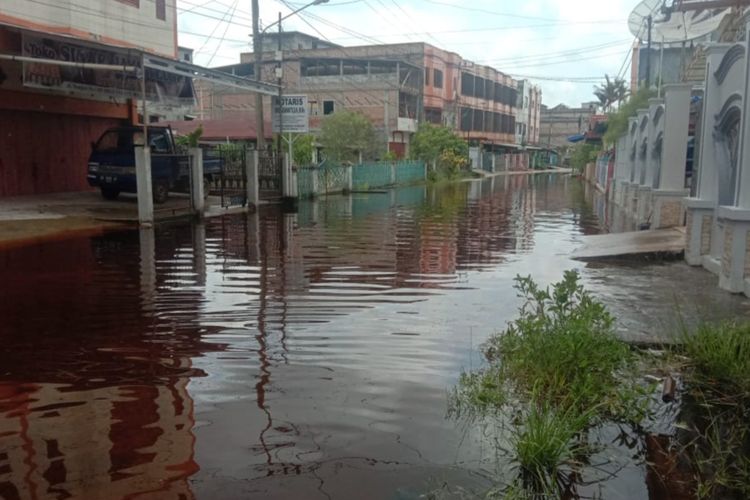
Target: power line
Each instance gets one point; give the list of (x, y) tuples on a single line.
[(517, 16), (218, 45), (214, 30), (555, 55)]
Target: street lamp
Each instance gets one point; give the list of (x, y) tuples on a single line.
[(257, 36)]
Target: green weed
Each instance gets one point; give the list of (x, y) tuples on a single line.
[(560, 369)]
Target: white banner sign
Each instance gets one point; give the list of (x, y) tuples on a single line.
[(292, 116), (160, 85)]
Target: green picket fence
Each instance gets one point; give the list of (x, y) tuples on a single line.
[(332, 178), (381, 174)]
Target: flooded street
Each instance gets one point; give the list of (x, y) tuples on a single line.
[(295, 356)]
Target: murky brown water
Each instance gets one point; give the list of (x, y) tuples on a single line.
[(292, 356)]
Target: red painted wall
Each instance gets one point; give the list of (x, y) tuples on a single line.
[(46, 152)]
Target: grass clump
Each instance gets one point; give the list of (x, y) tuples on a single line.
[(547, 442), (560, 370), (715, 434), (720, 356)]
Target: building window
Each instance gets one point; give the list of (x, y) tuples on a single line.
[(161, 10), (134, 3), (328, 107), (320, 67), (437, 79), (433, 115), (467, 84), (427, 77)]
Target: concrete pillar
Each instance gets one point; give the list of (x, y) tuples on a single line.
[(144, 185), (251, 174), (735, 220), (350, 177), (631, 186), (632, 148), (643, 191), (314, 181), (288, 182), (703, 243), (653, 129), (668, 209), (623, 194), (196, 178), (393, 173), (742, 194)]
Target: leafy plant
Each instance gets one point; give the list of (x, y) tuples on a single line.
[(582, 155), (345, 135), (560, 368), (390, 156), (433, 144), (617, 122), (303, 149)]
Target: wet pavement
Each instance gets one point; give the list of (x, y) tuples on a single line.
[(295, 356)]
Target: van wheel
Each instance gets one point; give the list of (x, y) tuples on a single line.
[(161, 192), (109, 193)]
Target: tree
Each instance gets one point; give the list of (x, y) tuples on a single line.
[(611, 92), (431, 142), (346, 135), (302, 149), (617, 122)]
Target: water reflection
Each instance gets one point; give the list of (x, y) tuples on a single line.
[(275, 355)]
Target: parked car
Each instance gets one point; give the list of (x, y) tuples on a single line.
[(112, 163)]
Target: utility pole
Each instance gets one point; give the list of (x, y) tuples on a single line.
[(650, 21), (279, 78), (257, 69)]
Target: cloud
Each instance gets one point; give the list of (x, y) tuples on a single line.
[(557, 40)]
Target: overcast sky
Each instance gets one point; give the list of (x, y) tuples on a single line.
[(562, 45)]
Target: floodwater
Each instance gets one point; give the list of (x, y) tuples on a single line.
[(295, 356)]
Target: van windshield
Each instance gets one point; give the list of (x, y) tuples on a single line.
[(116, 140), (124, 140)]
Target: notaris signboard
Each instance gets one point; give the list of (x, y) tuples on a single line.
[(292, 115), (160, 85)]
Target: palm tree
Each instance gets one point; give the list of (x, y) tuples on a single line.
[(611, 92)]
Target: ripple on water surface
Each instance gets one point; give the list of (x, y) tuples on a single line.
[(287, 356)]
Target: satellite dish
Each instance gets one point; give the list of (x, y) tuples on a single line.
[(675, 26)]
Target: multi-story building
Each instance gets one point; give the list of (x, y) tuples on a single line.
[(58, 109), (395, 85), (561, 122), (71, 69), (528, 117)]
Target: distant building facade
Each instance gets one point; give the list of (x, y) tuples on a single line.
[(561, 122), (397, 86), (529, 113)]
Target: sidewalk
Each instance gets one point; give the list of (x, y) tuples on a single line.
[(25, 219), (485, 174)]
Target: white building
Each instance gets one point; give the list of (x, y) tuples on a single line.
[(150, 25)]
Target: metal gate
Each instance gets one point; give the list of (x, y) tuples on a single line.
[(231, 184), (269, 176)]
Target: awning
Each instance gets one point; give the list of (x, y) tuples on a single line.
[(576, 138), (125, 65)]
